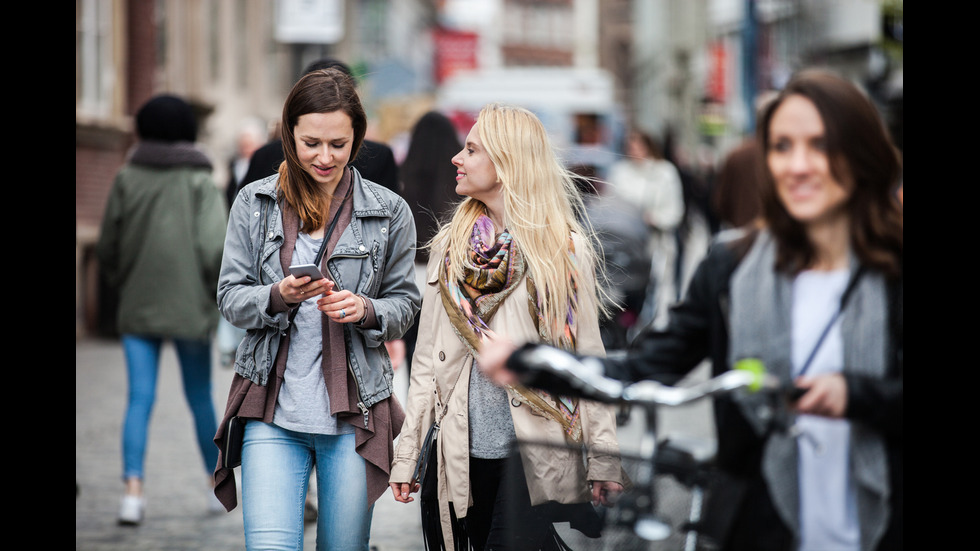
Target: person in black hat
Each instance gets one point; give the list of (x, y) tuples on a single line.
[(160, 247)]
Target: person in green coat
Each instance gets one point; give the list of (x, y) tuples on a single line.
[(160, 249)]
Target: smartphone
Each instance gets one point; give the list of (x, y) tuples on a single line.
[(301, 270)]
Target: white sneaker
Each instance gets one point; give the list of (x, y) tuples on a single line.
[(131, 510)]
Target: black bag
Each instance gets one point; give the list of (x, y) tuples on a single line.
[(426, 475), (232, 444), (425, 468)]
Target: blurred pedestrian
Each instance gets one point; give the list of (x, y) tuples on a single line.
[(736, 197), (645, 179), (816, 295), (160, 246), (312, 380), (428, 184), (250, 136), (514, 236)]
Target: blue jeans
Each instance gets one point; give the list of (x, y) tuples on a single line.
[(142, 364), (276, 466)]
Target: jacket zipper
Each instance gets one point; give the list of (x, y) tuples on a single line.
[(360, 401)]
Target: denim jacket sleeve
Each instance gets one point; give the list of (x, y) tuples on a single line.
[(247, 278)]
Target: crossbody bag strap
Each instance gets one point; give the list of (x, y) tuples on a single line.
[(848, 291), (333, 224), (326, 237)]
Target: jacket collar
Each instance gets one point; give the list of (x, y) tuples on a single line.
[(367, 199)]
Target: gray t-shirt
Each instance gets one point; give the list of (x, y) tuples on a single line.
[(303, 404), (491, 426)]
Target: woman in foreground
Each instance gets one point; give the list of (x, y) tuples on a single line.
[(833, 227)]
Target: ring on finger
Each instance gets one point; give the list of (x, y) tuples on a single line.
[(342, 313)]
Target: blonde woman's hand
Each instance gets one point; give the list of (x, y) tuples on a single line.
[(297, 289), (401, 491), (342, 306), (492, 359)]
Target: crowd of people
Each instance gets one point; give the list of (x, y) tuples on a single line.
[(477, 246)]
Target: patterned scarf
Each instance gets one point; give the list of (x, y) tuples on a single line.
[(495, 267)]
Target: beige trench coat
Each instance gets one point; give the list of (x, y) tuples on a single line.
[(441, 361)]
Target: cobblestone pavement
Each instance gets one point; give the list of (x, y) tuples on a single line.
[(177, 517)]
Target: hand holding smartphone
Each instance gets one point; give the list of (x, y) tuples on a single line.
[(311, 270), (300, 270)]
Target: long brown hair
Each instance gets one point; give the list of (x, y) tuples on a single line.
[(322, 91), (858, 146)]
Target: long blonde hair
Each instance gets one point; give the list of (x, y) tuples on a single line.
[(543, 207)]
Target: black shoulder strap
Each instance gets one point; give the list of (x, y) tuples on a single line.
[(333, 224), (826, 330)]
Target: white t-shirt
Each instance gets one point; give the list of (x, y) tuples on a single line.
[(828, 501)]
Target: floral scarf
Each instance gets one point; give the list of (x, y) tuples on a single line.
[(494, 269)]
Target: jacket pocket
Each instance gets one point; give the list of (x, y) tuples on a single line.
[(373, 284)]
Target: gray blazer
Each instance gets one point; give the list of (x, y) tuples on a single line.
[(375, 258)]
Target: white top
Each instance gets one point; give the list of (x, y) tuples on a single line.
[(828, 501), (652, 186)]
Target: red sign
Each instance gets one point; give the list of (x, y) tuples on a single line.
[(455, 51), (717, 72)]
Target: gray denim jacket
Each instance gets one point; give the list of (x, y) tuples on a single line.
[(375, 257)]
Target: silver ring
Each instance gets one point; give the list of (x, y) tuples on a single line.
[(342, 313)]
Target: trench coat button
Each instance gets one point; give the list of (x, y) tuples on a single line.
[(442, 356)]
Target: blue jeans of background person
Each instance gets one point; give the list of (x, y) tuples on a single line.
[(142, 364), (276, 467)]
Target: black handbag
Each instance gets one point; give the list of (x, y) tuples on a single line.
[(426, 475), (426, 467), (232, 443)]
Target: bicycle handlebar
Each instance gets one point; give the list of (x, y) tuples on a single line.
[(558, 371)]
